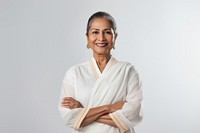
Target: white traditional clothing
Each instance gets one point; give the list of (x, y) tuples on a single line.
[(118, 82)]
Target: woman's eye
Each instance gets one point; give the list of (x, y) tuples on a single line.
[(108, 32), (95, 32)]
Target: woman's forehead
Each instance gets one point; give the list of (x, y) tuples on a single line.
[(101, 22)]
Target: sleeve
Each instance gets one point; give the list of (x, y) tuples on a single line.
[(131, 113), (71, 117)]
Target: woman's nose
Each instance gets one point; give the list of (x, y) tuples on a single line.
[(101, 37)]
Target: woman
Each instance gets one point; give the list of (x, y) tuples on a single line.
[(102, 95)]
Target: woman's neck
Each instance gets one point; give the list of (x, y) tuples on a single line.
[(102, 60)]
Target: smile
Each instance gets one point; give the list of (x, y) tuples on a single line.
[(101, 44)]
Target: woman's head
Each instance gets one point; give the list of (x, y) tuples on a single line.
[(101, 33), (101, 14)]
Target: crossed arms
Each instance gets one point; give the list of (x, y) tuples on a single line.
[(98, 114)]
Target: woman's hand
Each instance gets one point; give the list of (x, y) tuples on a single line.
[(99, 114), (106, 119), (116, 106), (70, 103)]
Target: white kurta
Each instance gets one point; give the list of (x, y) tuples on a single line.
[(118, 82)]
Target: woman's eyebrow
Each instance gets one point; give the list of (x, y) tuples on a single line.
[(94, 29), (102, 29)]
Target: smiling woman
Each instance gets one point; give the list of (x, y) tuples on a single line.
[(103, 94), (101, 39)]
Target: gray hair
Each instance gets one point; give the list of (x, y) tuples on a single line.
[(101, 14)]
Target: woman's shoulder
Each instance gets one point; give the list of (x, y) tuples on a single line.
[(128, 65)]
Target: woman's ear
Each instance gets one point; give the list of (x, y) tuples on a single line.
[(86, 35), (116, 34), (115, 37)]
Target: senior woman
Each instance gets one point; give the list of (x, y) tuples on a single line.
[(102, 95)]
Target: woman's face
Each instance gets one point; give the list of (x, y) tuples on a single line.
[(101, 37)]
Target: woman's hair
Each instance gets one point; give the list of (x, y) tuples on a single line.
[(101, 14)]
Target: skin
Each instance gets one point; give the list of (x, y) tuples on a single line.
[(101, 39), (99, 114)]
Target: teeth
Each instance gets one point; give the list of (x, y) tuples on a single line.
[(101, 44)]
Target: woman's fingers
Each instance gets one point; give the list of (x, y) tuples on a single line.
[(71, 103), (68, 102), (68, 99)]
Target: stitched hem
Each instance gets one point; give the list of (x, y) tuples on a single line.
[(120, 124), (80, 118)]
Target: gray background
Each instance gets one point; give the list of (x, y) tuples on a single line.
[(41, 39)]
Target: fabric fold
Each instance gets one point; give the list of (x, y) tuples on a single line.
[(120, 124), (80, 118), (119, 82)]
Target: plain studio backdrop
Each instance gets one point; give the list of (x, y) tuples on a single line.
[(41, 39)]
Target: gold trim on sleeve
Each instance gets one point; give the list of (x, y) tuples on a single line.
[(80, 118), (120, 124)]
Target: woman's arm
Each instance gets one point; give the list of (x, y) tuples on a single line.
[(106, 119), (94, 114), (99, 114), (131, 113)]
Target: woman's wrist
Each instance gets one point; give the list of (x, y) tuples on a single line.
[(108, 108)]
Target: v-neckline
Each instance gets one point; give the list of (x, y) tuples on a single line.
[(96, 69)]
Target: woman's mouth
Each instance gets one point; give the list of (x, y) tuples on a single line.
[(101, 44)]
